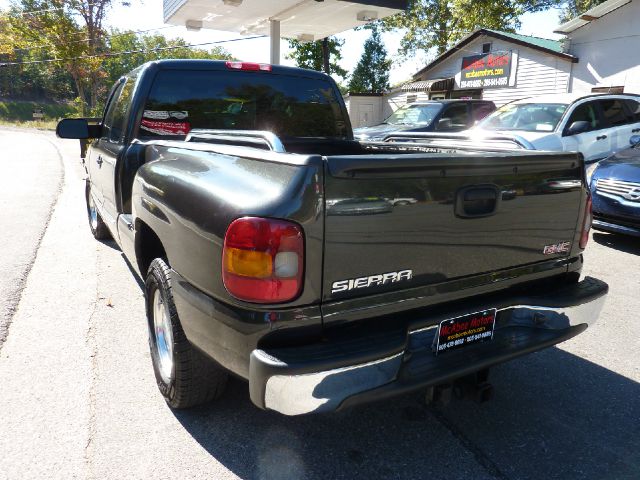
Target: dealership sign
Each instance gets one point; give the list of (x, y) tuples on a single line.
[(486, 70)]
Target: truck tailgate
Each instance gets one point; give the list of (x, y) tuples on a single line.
[(399, 221)]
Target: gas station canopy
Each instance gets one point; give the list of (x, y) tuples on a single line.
[(305, 20)]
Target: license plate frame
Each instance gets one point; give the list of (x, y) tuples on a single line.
[(467, 329)]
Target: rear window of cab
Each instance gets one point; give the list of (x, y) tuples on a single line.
[(289, 106)]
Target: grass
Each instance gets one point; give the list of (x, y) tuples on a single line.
[(20, 114), (37, 124)]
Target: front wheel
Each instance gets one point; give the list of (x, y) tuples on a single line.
[(98, 228), (185, 377)]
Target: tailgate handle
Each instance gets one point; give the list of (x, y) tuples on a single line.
[(477, 201)]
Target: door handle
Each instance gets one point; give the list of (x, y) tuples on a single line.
[(477, 201), (99, 160), (601, 137), (635, 130)]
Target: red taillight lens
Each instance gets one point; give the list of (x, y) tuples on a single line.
[(586, 224), (263, 260), (249, 66)]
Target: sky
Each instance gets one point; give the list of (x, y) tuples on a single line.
[(147, 14)]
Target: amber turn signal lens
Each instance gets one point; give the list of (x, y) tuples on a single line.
[(247, 263)]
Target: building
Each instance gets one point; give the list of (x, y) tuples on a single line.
[(607, 41), (486, 64)]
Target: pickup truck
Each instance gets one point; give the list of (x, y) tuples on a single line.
[(218, 181)]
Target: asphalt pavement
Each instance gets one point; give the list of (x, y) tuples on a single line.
[(79, 398)]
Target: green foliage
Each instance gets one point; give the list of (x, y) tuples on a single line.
[(372, 72), (438, 24), (573, 8), (23, 111), (309, 55), (150, 47)]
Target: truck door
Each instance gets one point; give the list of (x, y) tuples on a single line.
[(110, 147)]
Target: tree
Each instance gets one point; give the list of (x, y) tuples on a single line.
[(309, 55), (372, 72), (573, 8), (148, 47), (72, 30), (438, 24)]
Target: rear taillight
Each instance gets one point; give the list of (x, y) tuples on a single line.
[(249, 66), (586, 224), (263, 260)]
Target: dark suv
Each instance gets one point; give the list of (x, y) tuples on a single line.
[(429, 116)]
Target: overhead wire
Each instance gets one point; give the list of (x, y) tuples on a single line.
[(128, 52), (86, 40)]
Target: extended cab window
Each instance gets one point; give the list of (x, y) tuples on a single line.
[(288, 106)]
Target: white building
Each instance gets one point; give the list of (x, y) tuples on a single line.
[(606, 39)]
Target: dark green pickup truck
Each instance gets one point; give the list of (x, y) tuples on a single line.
[(325, 271)]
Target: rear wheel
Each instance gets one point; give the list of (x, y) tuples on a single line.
[(185, 377), (98, 228)]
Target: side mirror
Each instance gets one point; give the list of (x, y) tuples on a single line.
[(580, 126), (634, 140), (76, 128), (444, 124)]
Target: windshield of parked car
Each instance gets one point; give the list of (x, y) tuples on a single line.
[(414, 114), (528, 117), (287, 105)]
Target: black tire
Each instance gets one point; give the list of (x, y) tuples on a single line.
[(190, 378), (98, 228)]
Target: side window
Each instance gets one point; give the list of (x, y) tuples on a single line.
[(633, 108), (481, 110), (120, 109), (108, 116), (614, 112), (457, 116), (586, 112)]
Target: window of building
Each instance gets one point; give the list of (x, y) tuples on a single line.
[(612, 90), (412, 98), (486, 47)]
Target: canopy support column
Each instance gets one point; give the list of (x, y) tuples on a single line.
[(274, 32)]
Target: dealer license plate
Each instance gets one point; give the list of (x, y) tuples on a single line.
[(461, 331)]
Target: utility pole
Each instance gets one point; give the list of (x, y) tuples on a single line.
[(325, 55)]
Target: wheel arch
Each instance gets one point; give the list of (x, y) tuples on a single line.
[(148, 246)]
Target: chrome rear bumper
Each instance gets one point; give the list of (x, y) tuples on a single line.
[(306, 385)]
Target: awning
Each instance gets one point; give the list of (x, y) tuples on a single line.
[(434, 85), (305, 20)]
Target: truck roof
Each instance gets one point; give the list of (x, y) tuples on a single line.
[(189, 64)]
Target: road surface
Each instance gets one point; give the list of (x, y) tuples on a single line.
[(79, 398)]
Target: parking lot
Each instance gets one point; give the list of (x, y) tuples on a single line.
[(79, 398)]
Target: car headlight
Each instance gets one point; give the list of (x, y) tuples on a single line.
[(589, 171)]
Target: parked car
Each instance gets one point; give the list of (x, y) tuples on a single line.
[(245, 269), (615, 192), (429, 116), (595, 125)]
